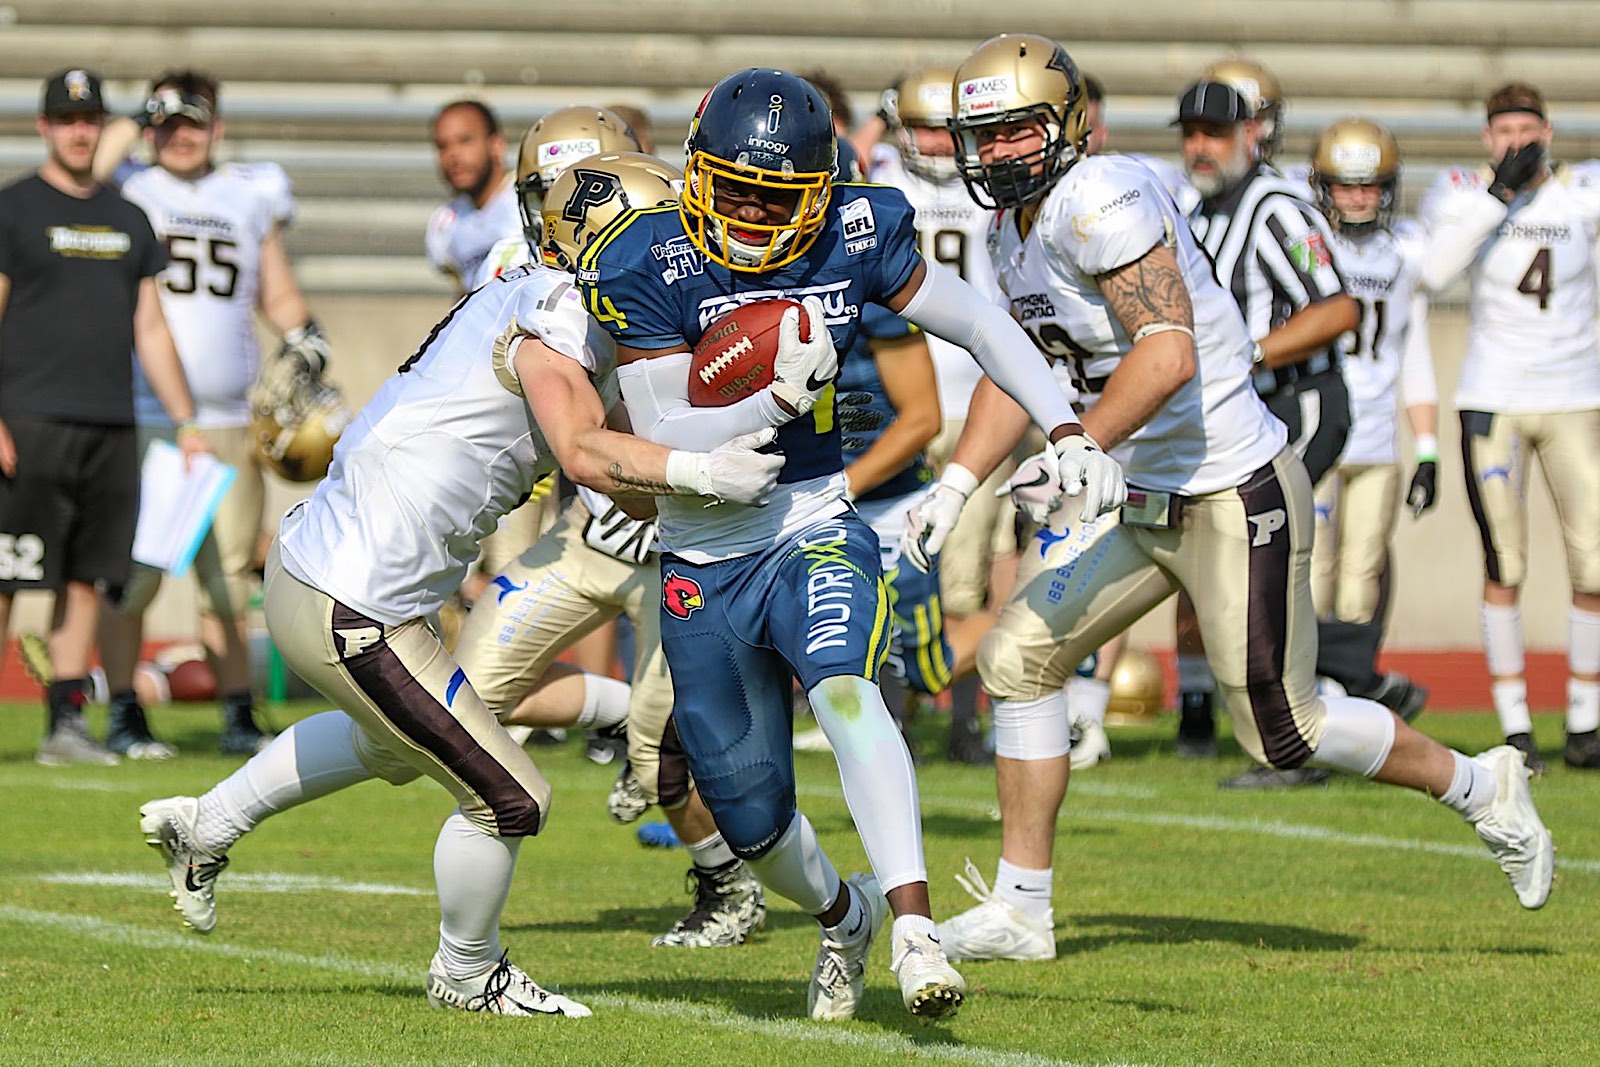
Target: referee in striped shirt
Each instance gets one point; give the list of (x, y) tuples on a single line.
[(1272, 249)]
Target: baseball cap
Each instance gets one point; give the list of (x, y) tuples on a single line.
[(1212, 102), (170, 102), (72, 92)]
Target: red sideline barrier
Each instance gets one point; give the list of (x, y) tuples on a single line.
[(1456, 679)]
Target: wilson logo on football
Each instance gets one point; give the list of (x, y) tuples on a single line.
[(680, 596)]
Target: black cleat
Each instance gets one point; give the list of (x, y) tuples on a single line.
[(1523, 743), (1583, 750), (1400, 695), (1272, 778), (1197, 726)]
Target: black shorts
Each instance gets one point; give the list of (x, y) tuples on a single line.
[(68, 514), (1316, 409)]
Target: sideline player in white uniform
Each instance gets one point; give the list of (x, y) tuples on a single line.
[(1098, 266), (471, 151), (514, 380), (1355, 174), (951, 231), (1530, 386), (222, 224)]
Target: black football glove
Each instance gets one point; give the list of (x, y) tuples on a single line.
[(1424, 487), (307, 344), (1515, 170)]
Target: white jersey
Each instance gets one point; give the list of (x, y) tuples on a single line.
[(508, 253), (1109, 211), (1173, 179), (446, 447), (1381, 270), (214, 229), (460, 233), (951, 230), (1531, 343)]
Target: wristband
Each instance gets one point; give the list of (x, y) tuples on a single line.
[(684, 472), (1427, 448), (1258, 355), (957, 477), (188, 426)]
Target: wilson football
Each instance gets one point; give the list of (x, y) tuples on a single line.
[(737, 354)]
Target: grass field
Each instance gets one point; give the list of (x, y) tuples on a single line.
[(1351, 924)]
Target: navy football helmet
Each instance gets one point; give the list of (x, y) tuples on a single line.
[(766, 135)]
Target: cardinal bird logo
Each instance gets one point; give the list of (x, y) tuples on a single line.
[(680, 596)]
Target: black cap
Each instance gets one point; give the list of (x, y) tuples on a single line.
[(72, 92), (1212, 102)]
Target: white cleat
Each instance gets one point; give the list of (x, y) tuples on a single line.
[(1092, 745), (1512, 828), (994, 930), (930, 987), (839, 975), (168, 826), (504, 989)]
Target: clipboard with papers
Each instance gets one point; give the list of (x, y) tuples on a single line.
[(176, 506)]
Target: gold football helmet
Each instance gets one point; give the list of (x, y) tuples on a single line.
[(1138, 687), (295, 418), (595, 190), (1261, 91), (920, 100), (553, 144), (1356, 151), (1017, 77)]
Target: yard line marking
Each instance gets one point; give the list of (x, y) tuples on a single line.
[(797, 1030), (77, 785), (264, 882), (1260, 827)]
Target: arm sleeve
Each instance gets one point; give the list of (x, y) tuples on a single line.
[(947, 307), (1296, 250), (1459, 215), (656, 392)]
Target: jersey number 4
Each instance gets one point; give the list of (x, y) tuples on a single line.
[(1536, 282), (214, 257)]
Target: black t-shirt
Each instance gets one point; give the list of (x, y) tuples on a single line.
[(66, 337)]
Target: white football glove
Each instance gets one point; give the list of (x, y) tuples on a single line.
[(931, 519), (1088, 472), (1035, 487), (804, 369), (731, 472)]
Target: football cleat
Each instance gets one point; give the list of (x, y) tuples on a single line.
[(994, 930), (168, 826), (1091, 745), (728, 908), (69, 742), (1583, 750), (130, 736), (1523, 743), (930, 987), (839, 975), (504, 989), (627, 800), (1259, 777), (658, 835), (1512, 829)]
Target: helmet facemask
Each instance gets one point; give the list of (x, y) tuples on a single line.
[(921, 101), (736, 243), (1020, 180)]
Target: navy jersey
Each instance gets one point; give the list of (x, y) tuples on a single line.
[(862, 408), (645, 281)]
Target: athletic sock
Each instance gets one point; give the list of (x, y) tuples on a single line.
[(906, 925), (65, 699), (1472, 789), (1583, 706), (1025, 889), (1511, 705), (473, 872), (605, 702), (856, 923), (711, 854)]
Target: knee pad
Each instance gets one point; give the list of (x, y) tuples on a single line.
[(752, 806), (1032, 729), (1006, 671), (378, 758), (1357, 736)]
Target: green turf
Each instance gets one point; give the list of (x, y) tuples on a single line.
[(1351, 924)]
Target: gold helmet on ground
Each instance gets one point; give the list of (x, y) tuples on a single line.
[(1356, 151), (1138, 687), (1261, 91), (295, 417), (595, 190), (1016, 78), (921, 99), (553, 144)]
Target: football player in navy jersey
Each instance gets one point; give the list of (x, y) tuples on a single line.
[(754, 596)]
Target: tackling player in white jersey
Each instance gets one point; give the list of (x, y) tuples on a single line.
[(223, 226), (1524, 233), (1355, 174), (1099, 267), (514, 380)]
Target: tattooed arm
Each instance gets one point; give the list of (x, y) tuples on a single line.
[(572, 418), (1150, 300)]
